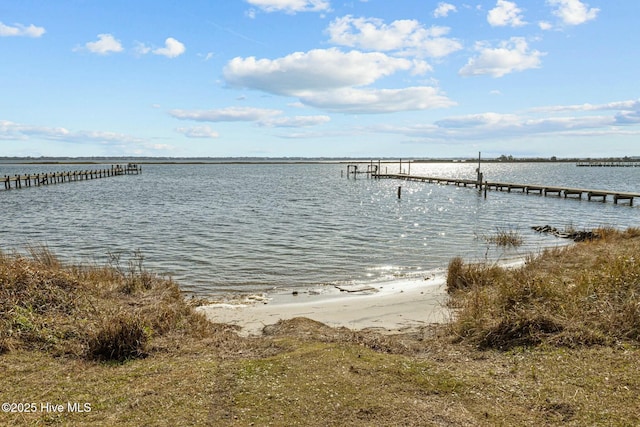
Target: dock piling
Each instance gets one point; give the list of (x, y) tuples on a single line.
[(562, 192), (39, 179)]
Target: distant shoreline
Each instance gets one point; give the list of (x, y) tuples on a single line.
[(292, 160)]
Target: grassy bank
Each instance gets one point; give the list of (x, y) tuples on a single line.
[(588, 294), (554, 342)]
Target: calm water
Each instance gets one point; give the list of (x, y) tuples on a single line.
[(218, 228)]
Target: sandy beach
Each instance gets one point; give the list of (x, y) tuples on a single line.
[(396, 306)]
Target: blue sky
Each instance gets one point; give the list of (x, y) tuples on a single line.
[(274, 78)]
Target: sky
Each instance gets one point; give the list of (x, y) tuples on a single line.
[(319, 78)]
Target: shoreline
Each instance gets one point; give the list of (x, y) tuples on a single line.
[(391, 307)]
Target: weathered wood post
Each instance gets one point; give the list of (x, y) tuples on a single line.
[(479, 174)]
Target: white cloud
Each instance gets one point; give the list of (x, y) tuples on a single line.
[(627, 112), (198, 132), (172, 48), (316, 70), (295, 121), (479, 120), (505, 13), (544, 25), (141, 48), (573, 12), (495, 126), (329, 79), (512, 55), (443, 10), (374, 101), (106, 44), (263, 117), (630, 105), (492, 124), (406, 35), (206, 56), (291, 6), (16, 131), (113, 143), (19, 30), (421, 67), (559, 120), (231, 114), (628, 117)]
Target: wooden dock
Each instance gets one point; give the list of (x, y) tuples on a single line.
[(603, 164), (39, 179), (545, 190)]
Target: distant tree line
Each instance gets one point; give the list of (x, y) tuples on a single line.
[(510, 158)]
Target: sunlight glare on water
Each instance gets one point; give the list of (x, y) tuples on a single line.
[(218, 228)]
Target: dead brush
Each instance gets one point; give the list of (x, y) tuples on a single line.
[(461, 275), (92, 312), (119, 337), (505, 238), (584, 294), (135, 275)]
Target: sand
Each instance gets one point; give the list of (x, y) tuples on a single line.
[(396, 306)]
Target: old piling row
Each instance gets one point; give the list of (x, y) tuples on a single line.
[(38, 179)]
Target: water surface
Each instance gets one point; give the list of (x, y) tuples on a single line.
[(218, 228)]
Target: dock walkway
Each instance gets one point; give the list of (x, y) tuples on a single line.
[(566, 192), (38, 179)]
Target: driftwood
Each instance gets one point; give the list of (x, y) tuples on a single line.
[(576, 236)]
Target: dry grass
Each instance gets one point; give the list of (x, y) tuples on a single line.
[(579, 295), (79, 334), (90, 312), (506, 238)]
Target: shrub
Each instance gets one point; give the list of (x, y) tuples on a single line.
[(506, 238), (455, 277), (121, 337), (463, 276), (95, 312), (584, 294)]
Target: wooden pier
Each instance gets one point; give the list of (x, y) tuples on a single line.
[(371, 171), (545, 190), (604, 164), (39, 179)]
